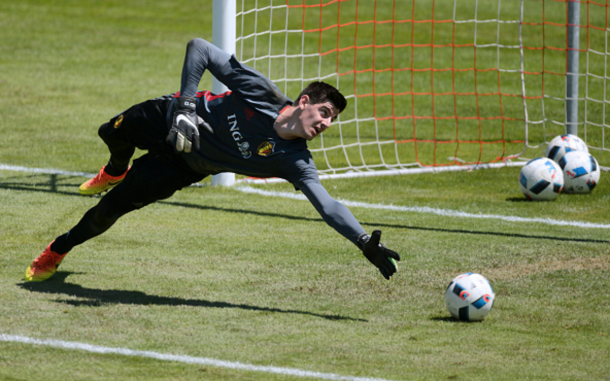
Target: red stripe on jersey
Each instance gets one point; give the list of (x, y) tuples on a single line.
[(209, 96)]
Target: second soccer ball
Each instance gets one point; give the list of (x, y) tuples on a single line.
[(580, 172), (562, 144)]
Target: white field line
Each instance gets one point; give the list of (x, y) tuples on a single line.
[(181, 358), (396, 208), (426, 209), (44, 171)]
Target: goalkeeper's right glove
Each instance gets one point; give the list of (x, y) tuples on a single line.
[(184, 135), (377, 254)]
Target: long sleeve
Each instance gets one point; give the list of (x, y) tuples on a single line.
[(334, 213), (200, 54), (245, 82)]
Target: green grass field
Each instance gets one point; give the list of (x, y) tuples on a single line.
[(221, 274)]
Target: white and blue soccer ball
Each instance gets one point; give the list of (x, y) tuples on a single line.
[(580, 172), (562, 144), (541, 179), (469, 297)]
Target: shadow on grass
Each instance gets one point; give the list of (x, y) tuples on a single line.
[(518, 199), (53, 185), (451, 319), (92, 297)]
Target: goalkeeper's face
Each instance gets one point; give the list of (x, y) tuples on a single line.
[(315, 118)]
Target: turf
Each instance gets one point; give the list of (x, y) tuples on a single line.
[(223, 274), (263, 280)]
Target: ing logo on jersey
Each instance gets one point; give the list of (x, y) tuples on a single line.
[(266, 148), (118, 121), (242, 146)]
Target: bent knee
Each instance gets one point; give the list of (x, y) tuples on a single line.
[(106, 131)]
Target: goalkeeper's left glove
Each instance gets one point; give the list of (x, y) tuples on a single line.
[(184, 135), (379, 255)]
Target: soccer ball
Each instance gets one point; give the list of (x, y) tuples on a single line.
[(541, 179), (562, 144), (469, 297), (580, 172)]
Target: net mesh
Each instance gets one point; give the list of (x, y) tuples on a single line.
[(433, 83)]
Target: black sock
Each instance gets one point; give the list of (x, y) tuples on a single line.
[(62, 244), (115, 170)]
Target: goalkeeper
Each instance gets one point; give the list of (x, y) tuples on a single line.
[(253, 130)]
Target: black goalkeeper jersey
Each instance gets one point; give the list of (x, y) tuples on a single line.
[(244, 139)]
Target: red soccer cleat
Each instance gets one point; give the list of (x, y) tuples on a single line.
[(43, 267), (100, 183)]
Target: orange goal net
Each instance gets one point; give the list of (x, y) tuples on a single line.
[(434, 83)]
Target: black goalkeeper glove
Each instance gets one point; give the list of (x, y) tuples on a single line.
[(184, 135), (378, 254)]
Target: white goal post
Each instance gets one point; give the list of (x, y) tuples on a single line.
[(436, 85), (223, 36)]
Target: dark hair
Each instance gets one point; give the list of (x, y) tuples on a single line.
[(320, 92)]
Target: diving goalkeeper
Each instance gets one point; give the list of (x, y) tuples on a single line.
[(253, 130)]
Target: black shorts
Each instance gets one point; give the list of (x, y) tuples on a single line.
[(157, 174), (144, 126)]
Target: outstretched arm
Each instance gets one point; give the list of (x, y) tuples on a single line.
[(184, 133), (248, 83), (343, 221), (200, 55)]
